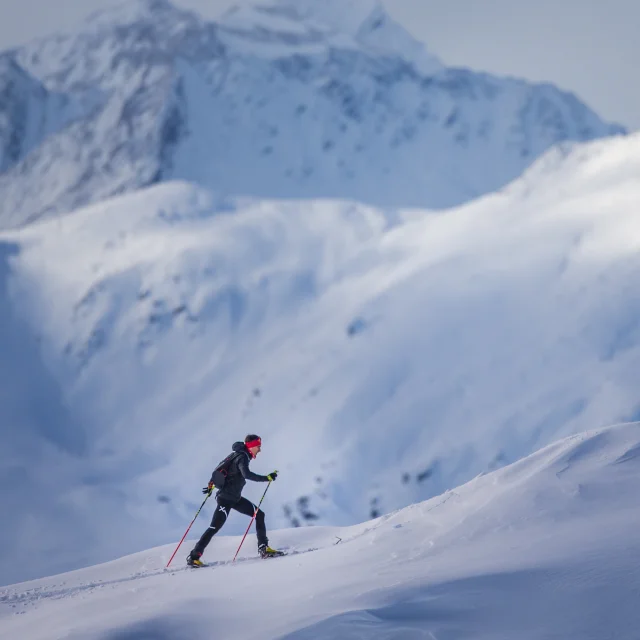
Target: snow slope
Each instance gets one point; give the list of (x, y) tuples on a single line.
[(544, 548), (384, 356), (285, 99)]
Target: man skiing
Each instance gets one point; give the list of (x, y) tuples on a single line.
[(235, 472)]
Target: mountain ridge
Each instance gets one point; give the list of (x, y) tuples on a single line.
[(163, 95)]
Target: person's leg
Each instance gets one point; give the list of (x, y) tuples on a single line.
[(248, 509), (217, 522)]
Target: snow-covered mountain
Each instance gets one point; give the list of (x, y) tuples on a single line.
[(545, 548), (384, 355), (280, 99), (28, 113)]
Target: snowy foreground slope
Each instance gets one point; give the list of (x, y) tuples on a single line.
[(544, 548), (383, 356)]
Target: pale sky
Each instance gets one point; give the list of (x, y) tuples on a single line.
[(590, 47)]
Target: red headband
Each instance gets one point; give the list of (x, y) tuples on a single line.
[(253, 443)]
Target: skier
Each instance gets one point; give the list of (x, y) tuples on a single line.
[(235, 470)]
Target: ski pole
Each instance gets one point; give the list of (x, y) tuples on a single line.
[(255, 513), (187, 531)]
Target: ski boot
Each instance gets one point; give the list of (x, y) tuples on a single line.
[(266, 551), (193, 560)]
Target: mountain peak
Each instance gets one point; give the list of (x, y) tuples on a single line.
[(131, 11), (342, 23), (343, 15)]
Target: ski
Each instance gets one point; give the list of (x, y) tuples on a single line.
[(226, 563)]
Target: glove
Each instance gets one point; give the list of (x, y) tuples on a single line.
[(273, 475), (208, 490)]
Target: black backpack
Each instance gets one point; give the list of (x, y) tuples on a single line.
[(219, 475)]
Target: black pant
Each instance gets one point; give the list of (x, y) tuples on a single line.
[(220, 517)]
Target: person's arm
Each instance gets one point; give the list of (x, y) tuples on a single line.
[(247, 474)]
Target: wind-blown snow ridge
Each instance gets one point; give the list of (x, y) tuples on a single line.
[(546, 547)]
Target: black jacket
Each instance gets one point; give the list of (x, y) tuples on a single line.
[(238, 473)]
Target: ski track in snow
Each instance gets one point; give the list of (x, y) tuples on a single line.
[(29, 596), (11, 597)]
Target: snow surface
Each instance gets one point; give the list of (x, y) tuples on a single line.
[(544, 548), (384, 356)]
